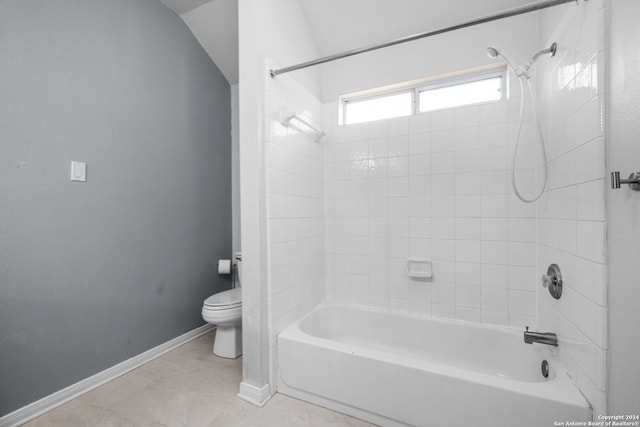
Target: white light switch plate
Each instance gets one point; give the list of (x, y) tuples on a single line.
[(78, 171)]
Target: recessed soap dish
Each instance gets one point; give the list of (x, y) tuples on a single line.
[(419, 268)]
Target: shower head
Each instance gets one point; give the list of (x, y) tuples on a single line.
[(493, 52)]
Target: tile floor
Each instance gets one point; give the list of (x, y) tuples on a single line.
[(189, 387)]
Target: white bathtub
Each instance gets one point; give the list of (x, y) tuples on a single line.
[(395, 370)]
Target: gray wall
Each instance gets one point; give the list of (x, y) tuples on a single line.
[(94, 273)]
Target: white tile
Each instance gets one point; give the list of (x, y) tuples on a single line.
[(443, 294), (493, 135), (494, 182), (442, 141), (494, 299), (419, 291), (419, 164), (398, 166), (468, 206), (419, 124), (442, 120), (522, 302), (420, 228), (493, 158), (442, 162), (420, 206), (377, 149), (444, 272), (420, 248), (494, 276), (467, 116), (494, 252), (419, 143), (375, 167), (494, 229), (524, 278), (467, 183), (443, 228), (399, 186), (398, 226), (493, 113), (522, 254), (467, 138), (419, 185), (398, 247), (398, 207), (444, 249), (398, 146), (468, 251), (467, 228), (443, 206), (494, 206), (521, 229), (468, 273)]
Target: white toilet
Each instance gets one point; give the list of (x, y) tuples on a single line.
[(224, 309)]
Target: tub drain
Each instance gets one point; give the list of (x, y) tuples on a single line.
[(545, 368)]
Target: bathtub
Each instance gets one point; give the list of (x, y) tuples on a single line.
[(396, 370)]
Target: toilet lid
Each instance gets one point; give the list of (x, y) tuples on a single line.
[(227, 299)]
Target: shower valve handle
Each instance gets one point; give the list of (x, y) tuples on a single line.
[(633, 181)]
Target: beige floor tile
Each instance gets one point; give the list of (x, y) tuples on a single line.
[(189, 387)]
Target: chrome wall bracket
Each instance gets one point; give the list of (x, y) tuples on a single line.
[(553, 281), (633, 181)]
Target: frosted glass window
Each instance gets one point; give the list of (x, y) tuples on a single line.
[(455, 95), (382, 107)]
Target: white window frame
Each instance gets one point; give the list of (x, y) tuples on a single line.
[(415, 87)]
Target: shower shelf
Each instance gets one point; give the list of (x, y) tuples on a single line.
[(303, 126)]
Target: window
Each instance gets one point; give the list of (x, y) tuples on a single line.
[(379, 107), (425, 95), (457, 94)]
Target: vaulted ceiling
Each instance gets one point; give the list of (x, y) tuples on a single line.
[(336, 25)]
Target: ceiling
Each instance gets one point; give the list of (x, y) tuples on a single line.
[(335, 25), (215, 25)]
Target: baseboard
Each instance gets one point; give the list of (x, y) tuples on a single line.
[(39, 407), (258, 396)]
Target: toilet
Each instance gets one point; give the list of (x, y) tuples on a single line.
[(224, 310)]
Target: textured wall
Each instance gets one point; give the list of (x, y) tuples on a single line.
[(94, 273)]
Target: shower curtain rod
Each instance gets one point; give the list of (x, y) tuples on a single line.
[(506, 14)]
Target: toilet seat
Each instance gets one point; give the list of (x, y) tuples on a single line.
[(224, 300), (224, 310)]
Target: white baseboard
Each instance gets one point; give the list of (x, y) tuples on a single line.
[(39, 407), (258, 396)]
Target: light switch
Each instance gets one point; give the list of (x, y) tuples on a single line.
[(78, 171)]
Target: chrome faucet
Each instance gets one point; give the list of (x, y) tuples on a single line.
[(548, 338)]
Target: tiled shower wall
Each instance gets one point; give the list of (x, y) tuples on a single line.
[(435, 185), (295, 209), (572, 227)]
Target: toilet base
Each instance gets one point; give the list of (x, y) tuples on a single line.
[(228, 341)]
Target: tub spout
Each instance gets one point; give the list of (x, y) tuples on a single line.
[(548, 338)]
